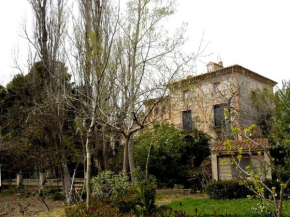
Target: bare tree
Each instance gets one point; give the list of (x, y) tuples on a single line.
[(47, 70), (146, 61), (94, 37)]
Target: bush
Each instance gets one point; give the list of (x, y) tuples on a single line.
[(227, 190), (170, 153), (166, 147), (107, 184), (124, 196), (145, 194), (274, 183), (141, 196), (148, 185)]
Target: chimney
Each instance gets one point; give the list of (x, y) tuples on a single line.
[(221, 63)]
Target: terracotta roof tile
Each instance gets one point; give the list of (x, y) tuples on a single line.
[(256, 144)]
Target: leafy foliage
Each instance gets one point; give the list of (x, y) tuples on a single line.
[(169, 152), (196, 147), (165, 144), (264, 104), (281, 135), (227, 190), (145, 194), (34, 127), (144, 206), (107, 184), (116, 190)]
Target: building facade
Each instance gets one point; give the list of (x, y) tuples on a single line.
[(200, 101), (213, 102)]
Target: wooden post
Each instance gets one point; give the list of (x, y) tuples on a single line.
[(0, 175), (214, 166), (18, 179), (41, 178), (41, 181)]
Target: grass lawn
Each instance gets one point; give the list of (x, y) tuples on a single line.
[(206, 207)]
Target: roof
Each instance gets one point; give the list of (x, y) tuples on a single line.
[(155, 100), (227, 70), (254, 145)]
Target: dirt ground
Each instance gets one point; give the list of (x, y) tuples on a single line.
[(13, 205)]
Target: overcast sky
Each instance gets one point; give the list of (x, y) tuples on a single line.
[(252, 33)]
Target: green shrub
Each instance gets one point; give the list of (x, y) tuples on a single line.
[(115, 188), (144, 206), (274, 183), (166, 146), (124, 196), (227, 190), (107, 184), (127, 203), (148, 185), (145, 194)]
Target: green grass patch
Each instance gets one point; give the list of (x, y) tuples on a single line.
[(24, 195), (210, 207), (5, 193)]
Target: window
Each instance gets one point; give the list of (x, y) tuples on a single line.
[(216, 87), (236, 172), (163, 112), (197, 119), (253, 94), (185, 94), (149, 115), (156, 111), (187, 120), (219, 117)]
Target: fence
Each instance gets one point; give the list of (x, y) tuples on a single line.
[(40, 183)]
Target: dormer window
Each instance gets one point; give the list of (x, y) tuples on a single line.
[(210, 68)]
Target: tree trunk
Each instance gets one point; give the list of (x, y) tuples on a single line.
[(148, 158), (89, 162), (279, 212), (98, 164), (66, 180), (125, 159), (89, 173), (105, 153), (131, 158)]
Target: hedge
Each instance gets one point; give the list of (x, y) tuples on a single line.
[(227, 190)]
